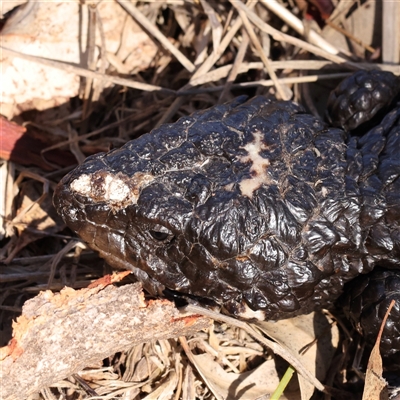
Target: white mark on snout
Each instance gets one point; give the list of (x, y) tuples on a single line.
[(117, 190), (82, 185)]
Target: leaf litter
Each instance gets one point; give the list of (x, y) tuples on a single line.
[(120, 69)]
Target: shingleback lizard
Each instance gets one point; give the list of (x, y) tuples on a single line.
[(258, 206)]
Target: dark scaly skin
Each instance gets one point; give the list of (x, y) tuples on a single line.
[(366, 302), (255, 205), (363, 96), (360, 102)]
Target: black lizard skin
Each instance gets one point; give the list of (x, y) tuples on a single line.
[(361, 97), (366, 301), (254, 204)]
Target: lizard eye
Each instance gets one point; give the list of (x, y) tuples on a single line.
[(160, 233)]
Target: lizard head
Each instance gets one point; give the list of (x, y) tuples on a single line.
[(206, 205)]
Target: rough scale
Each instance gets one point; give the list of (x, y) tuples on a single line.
[(253, 204)]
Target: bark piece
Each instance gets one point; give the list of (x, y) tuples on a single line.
[(59, 334)]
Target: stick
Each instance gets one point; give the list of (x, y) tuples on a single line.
[(59, 334)]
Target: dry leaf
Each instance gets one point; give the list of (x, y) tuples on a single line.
[(34, 218), (375, 384), (188, 385), (8, 5), (245, 386), (23, 147), (296, 333), (30, 30), (165, 390), (360, 24)]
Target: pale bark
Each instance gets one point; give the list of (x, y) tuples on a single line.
[(59, 334)]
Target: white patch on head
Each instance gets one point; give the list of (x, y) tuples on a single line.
[(116, 190), (258, 168), (81, 185)]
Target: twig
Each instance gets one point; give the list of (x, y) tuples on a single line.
[(236, 66), (390, 32), (216, 26), (115, 124), (154, 31), (282, 37), (264, 58), (59, 334), (350, 36), (275, 347), (87, 73), (266, 82), (296, 24), (222, 72), (204, 68)]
